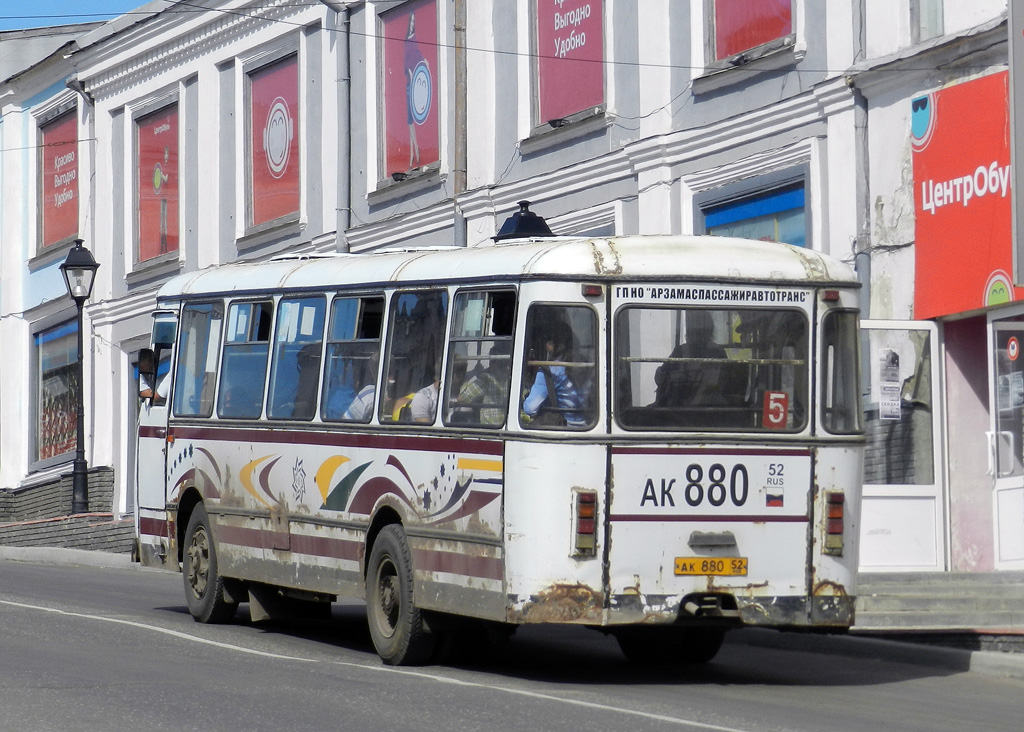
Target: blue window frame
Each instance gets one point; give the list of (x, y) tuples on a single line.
[(775, 215)]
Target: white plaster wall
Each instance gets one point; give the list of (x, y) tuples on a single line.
[(892, 206), (960, 15)]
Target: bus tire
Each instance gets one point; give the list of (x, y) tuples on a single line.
[(658, 646), (396, 624), (204, 587)]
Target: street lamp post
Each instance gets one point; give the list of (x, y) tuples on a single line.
[(79, 270)]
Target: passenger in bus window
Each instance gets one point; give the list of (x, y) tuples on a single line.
[(685, 379), (351, 388), (553, 391), (423, 405), (361, 407), (308, 364), (489, 388)]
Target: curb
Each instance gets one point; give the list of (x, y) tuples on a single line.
[(62, 555), (991, 663)]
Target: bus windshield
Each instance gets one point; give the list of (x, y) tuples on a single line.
[(699, 369)]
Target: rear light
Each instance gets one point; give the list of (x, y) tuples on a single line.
[(835, 507), (586, 523), (830, 295)]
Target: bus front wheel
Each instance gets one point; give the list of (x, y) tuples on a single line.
[(204, 587), (396, 624)]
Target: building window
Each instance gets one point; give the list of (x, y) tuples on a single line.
[(775, 215), (741, 26), (411, 131), (58, 179), (57, 395), (570, 56), (156, 144), (274, 141), (925, 19)]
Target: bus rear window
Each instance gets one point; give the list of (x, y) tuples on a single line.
[(706, 369)]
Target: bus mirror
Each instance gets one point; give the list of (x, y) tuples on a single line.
[(163, 334)]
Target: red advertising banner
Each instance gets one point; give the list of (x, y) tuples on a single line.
[(570, 68), (411, 136), (961, 157), (58, 179), (745, 24), (158, 182), (274, 91)]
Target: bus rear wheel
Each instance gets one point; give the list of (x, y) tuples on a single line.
[(670, 645), (204, 587), (396, 624)]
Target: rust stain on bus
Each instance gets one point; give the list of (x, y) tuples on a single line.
[(564, 603), (827, 588)]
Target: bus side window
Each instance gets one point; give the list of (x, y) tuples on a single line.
[(415, 348), (480, 358), (244, 369), (196, 365), (559, 386), (295, 370), (353, 353)]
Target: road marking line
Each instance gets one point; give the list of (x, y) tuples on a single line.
[(383, 669)]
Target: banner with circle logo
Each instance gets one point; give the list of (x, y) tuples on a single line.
[(960, 136), (157, 143), (411, 137), (274, 142)]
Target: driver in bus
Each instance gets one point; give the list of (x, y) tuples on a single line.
[(147, 368), (683, 382)]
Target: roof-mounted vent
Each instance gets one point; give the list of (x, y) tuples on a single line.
[(523, 224)]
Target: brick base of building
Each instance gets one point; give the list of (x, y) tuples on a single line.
[(40, 516)]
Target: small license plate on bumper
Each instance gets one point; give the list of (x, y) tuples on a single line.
[(719, 566)]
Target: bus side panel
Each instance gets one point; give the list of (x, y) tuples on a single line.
[(547, 579), (296, 513), (457, 577)]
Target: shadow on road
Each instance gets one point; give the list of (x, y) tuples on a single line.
[(570, 655)]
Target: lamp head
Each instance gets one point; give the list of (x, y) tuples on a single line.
[(79, 270)]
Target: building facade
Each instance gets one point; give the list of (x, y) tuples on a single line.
[(177, 138)]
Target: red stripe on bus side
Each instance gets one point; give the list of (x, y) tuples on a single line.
[(317, 546), (153, 526), (711, 518), (321, 546), (340, 439), (455, 563), (425, 559)]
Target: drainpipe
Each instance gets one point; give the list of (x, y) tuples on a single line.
[(461, 139), (344, 207), (862, 244)]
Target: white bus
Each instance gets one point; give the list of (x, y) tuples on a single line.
[(657, 437)]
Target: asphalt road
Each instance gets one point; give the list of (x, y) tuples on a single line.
[(113, 648)]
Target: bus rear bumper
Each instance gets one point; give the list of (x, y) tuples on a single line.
[(833, 612)]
